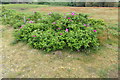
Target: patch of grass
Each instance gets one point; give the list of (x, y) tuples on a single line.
[(111, 71), (113, 29), (103, 73), (23, 6), (14, 42)]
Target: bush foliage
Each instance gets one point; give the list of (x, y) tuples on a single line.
[(55, 31)]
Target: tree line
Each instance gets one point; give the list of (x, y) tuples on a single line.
[(83, 4), (73, 4)]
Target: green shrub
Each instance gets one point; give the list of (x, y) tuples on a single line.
[(55, 31)]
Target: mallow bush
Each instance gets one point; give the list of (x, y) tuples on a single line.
[(55, 31)]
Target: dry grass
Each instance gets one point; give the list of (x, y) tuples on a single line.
[(108, 14), (21, 60)]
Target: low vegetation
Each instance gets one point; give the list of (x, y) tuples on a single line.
[(55, 31)]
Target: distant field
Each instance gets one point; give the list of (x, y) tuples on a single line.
[(20, 60)]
